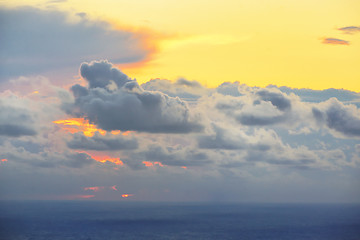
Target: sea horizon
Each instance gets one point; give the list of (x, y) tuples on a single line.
[(95, 220)]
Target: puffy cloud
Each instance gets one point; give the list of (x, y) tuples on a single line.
[(350, 29), (34, 41), (344, 119), (335, 41), (102, 74), (115, 102), (185, 89), (283, 135), (257, 107), (277, 99), (228, 88), (102, 143)]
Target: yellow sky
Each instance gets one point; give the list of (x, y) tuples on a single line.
[(257, 42)]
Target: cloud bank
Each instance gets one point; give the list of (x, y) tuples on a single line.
[(165, 139)]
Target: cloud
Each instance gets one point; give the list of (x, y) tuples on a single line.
[(169, 156), (228, 88), (15, 122), (257, 107), (350, 29), (293, 134), (113, 101), (310, 95), (102, 143), (46, 159), (102, 74), (344, 119), (221, 139), (335, 41), (182, 88), (35, 41), (277, 99)]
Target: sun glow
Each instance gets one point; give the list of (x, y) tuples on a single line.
[(127, 195), (105, 158), (74, 125)]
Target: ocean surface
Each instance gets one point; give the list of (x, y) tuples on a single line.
[(83, 220)]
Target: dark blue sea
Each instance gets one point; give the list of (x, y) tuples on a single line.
[(124, 220)]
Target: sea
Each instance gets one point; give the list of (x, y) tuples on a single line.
[(82, 220)]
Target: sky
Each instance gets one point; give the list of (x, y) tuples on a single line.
[(221, 101)]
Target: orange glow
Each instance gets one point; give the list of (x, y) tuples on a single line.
[(115, 132), (74, 125), (159, 163), (80, 125), (150, 164), (95, 189), (4, 160), (127, 195), (126, 133), (105, 158), (184, 167)]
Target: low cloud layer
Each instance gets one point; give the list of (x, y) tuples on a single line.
[(100, 143), (162, 138)]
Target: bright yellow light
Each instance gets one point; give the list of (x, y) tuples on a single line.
[(255, 42)]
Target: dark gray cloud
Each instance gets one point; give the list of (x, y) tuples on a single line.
[(221, 139), (15, 122), (121, 104), (101, 74), (102, 143), (77, 160), (168, 156), (30, 146), (335, 41), (256, 106), (337, 116), (34, 41), (343, 120), (277, 99), (350, 29), (12, 130), (46, 159), (263, 114)]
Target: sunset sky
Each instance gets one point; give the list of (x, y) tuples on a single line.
[(180, 101)]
